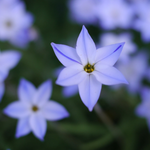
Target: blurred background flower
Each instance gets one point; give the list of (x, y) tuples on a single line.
[(8, 60), (15, 23), (34, 25)]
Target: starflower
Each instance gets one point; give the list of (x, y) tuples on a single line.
[(113, 14), (88, 68), (8, 60), (15, 23), (83, 11), (33, 108)]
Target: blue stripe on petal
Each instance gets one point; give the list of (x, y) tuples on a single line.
[(112, 52), (117, 48), (65, 55)]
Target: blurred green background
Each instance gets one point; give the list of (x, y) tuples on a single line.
[(83, 130)]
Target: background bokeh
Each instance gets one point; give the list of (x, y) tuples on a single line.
[(55, 21)]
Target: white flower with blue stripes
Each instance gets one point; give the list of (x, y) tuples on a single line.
[(88, 68), (33, 109)]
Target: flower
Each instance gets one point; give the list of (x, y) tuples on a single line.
[(143, 109), (15, 23), (112, 14), (83, 11), (88, 68), (142, 22), (8, 60), (33, 108)]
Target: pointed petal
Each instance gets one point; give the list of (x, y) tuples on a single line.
[(69, 91), (9, 59), (108, 75), (43, 93), (54, 111), (17, 110), (109, 54), (66, 55), (86, 48), (38, 125), (3, 74), (23, 127), (89, 90), (26, 91), (2, 89), (71, 75)]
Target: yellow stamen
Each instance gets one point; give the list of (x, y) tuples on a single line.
[(89, 68), (35, 108)]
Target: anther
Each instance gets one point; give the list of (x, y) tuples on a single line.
[(89, 68), (35, 108)]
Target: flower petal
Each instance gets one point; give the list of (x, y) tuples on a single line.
[(85, 48), (54, 111), (9, 59), (109, 54), (23, 127), (108, 75), (43, 93), (3, 73), (143, 110), (17, 110), (89, 90), (26, 91), (71, 75), (69, 91), (66, 55), (38, 125), (2, 89)]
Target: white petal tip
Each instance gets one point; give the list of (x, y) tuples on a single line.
[(66, 115), (41, 139), (52, 44), (17, 136), (125, 81), (5, 111), (22, 80), (83, 27), (90, 109), (58, 82), (48, 82)]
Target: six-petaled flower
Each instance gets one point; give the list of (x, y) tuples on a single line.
[(88, 68), (33, 109)]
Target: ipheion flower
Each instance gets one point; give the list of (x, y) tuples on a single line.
[(34, 108), (8, 60), (88, 68)]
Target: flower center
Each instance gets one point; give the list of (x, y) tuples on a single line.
[(89, 68), (8, 24), (35, 108)]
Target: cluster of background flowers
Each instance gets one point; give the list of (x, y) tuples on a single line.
[(26, 59)]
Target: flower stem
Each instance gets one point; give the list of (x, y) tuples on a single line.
[(106, 120)]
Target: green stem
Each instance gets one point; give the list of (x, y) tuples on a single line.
[(106, 120), (98, 143)]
